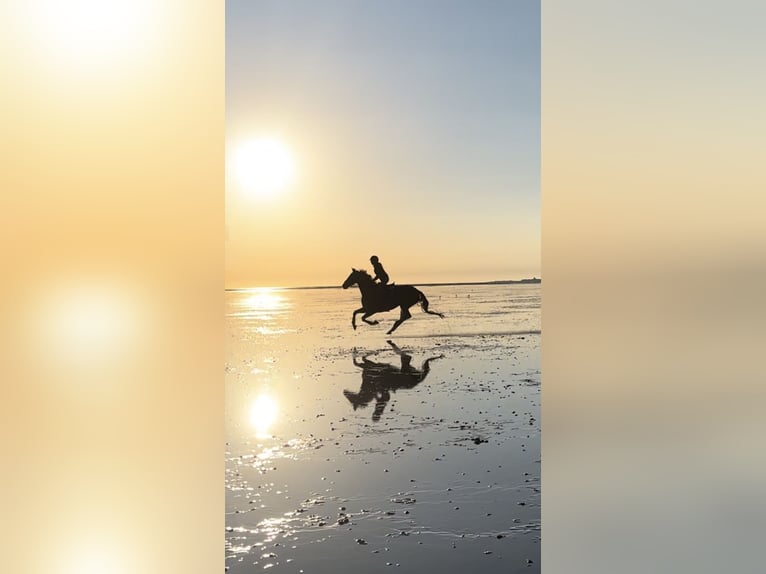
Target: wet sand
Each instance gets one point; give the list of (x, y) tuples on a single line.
[(353, 449)]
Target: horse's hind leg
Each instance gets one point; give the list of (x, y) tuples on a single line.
[(402, 318)]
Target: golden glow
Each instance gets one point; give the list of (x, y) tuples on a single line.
[(82, 548), (98, 561), (263, 413), (85, 321), (264, 166), (94, 35)]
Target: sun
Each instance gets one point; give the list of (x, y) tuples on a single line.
[(264, 166)]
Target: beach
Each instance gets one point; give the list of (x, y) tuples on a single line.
[(356, 449)]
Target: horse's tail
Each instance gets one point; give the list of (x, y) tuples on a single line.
[(424, 304)]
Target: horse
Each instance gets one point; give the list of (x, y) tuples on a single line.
[(379, 380), (379, 298)]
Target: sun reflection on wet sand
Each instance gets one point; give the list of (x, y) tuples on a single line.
[(264, 311), (266, 299), (263, 413), (265, 302)]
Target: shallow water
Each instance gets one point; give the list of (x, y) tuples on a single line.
[(347, 450)]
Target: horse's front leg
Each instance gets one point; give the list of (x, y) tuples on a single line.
[(366, 320), (353, 317)]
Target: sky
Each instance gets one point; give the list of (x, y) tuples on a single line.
[(413, 131)]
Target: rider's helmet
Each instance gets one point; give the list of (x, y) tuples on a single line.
[(374, 259)]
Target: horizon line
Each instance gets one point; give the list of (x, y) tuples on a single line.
[(532, 281)]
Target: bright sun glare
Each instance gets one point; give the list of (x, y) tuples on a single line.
[(264, 300), (87, 35), (264, 166), (263, 413)]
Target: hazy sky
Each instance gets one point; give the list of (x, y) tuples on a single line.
[(415, 131)]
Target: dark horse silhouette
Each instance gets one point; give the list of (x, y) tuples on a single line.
[(378, 298), (380, 379)]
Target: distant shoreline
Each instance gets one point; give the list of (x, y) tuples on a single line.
[(533, 281)]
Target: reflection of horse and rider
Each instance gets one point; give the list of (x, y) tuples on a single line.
[(379, 380), (378, 296)]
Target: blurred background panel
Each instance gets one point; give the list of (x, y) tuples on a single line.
[(111, 221), (653, 260)]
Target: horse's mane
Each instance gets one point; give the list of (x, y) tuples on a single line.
[(364, 272)]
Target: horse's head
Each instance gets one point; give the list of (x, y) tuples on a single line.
[(351, 279), (358, 277)]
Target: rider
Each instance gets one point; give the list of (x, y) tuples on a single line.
[(380, 274)]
